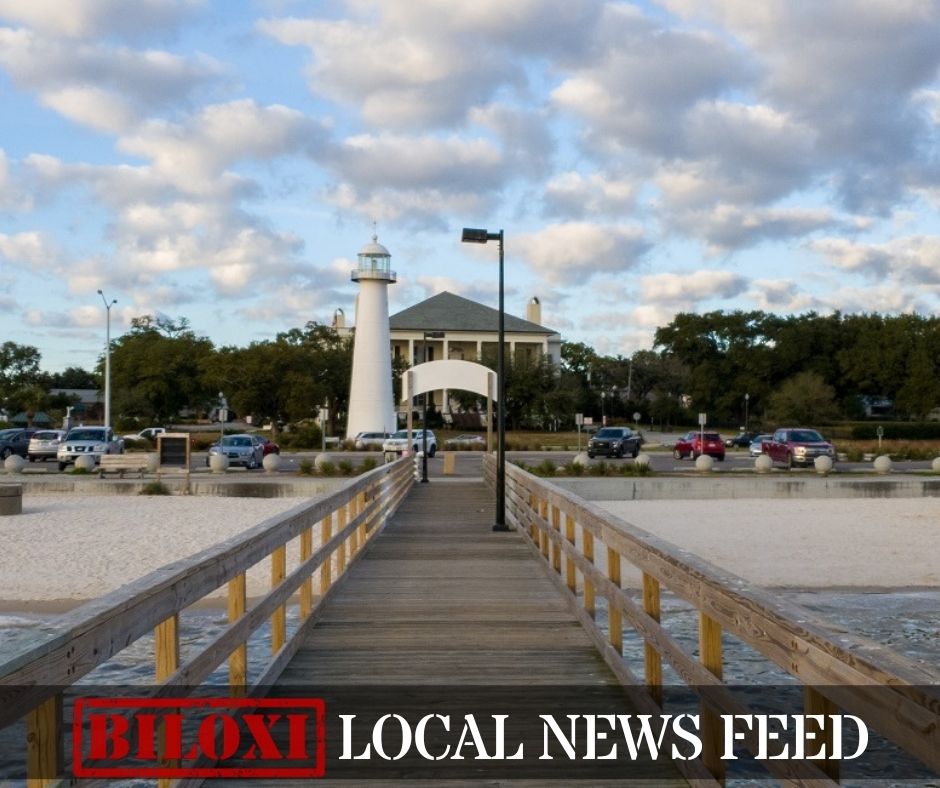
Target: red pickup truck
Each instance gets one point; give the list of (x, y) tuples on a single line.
[(797, 446)]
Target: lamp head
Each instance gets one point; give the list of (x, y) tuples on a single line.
[(473, 235)]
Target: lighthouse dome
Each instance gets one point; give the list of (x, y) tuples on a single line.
[(374, 249)]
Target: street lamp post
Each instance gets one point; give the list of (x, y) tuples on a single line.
[(747, 398), (424, 409), (107, 359), (478, 236)]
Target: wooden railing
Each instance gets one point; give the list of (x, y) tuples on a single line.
[(31, 683), (887, 691)]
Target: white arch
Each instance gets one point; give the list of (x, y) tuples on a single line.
[(451, 374)]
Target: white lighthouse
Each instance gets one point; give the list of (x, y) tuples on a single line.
[(371, 407)]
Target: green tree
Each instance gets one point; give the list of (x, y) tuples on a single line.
[(19, 370), (155, 374), (804, 398), (920, 392)]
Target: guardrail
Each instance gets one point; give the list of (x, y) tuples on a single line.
[(32, 682), (884, 689)]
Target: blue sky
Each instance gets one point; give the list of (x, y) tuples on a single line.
[(224, 161)]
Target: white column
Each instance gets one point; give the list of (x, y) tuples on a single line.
[(370, 400)]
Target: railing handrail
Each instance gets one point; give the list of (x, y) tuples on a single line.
[(93, 633), (787, 634)]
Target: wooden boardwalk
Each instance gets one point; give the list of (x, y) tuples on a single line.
[(440, 600)]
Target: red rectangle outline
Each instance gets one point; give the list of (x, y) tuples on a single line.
[(317, 704)]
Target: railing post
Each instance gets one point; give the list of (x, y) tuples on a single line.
[(279, 616), (653, 661), (571, 575), (354, 535), (326, 568), (816, 703), (341, 549), (306, 588), (166, 640), (363, 530), (238, 659), (556, 544), (709, 644), (587, 539), (614, 616), (44, 756), (543, 528)]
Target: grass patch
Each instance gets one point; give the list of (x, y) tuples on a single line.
[(155, 488)]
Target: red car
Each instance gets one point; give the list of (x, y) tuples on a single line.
[(690, 445)]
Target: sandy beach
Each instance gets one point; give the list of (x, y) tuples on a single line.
[(65, 549)]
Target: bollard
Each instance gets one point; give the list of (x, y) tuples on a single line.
[(11, 499), (450, 463)]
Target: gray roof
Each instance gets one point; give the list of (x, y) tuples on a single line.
[(448, 312)]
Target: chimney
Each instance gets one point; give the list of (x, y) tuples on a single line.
[(533, 311)]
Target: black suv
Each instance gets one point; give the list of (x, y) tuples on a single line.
[(614, 442), (15, 441)]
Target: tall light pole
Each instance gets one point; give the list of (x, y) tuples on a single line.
[(107, 359), (478, 236), (424, 409), (747, 398)]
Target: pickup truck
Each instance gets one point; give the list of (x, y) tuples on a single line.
[(797, 446)]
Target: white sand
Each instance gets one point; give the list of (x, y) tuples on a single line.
[(820, 543), (80, 547)]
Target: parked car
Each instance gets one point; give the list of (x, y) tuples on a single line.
[(44, 444), (85, 442), (797, 446), (15, 441), (268, 446), (742, 440), (756, 449), (614, 442), (148, 434), (468, 440), (398, 442), (692, 445), (242, 449), (370, 440)]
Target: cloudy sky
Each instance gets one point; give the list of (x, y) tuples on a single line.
[(224, 160)]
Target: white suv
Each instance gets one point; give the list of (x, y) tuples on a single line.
[(398, 442), (87, 442)]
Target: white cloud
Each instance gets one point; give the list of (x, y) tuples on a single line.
[(32, 249), (575, 194), (574, 251), (914, 259), (690, 288), (84, 18)]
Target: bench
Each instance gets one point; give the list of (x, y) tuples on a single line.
[(122, 462)]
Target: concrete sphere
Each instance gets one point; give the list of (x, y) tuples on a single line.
[(85, 463), (218, 463), (153, 462), (935, 465), (272, 463), (581, 459), (823, 465), (882, 464), (14, 464), (763, 464), (322, 458), (704, 463), (642, 460)]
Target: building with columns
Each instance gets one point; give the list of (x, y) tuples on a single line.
[(469, 330)]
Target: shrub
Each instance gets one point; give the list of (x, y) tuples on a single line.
[(545, 468), (155, 488), (327, 468), (306, 468), (307, 436), (80, 471), (345, 467), (574, 469), (368, 464)]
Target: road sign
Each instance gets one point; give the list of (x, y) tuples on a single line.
[(702, 419), (588, 420), (636, 415), (579, 419)]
